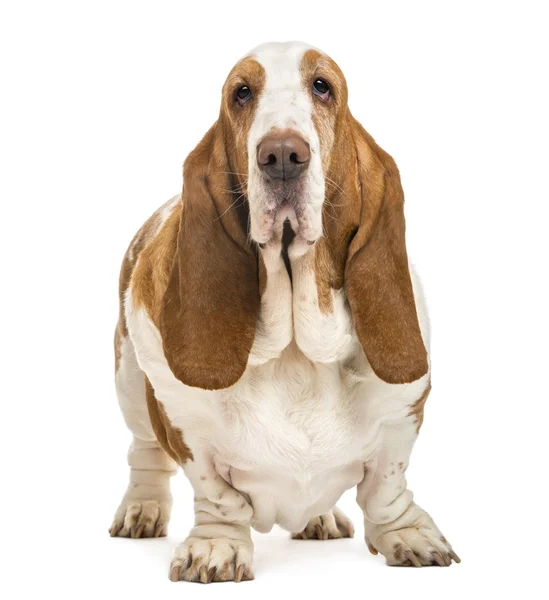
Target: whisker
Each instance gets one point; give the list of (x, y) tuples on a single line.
[(235, 190), (328, 203), (337, 187), (329, 215), (228, 209), (231, 173), (331, 204), (334, 187), (332, 181), (333, 207)]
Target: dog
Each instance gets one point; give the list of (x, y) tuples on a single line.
[(273, 340)]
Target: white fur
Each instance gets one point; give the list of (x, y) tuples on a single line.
[(274, 329), (323, 338)]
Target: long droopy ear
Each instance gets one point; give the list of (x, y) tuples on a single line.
[(211, 303), (377, 278)]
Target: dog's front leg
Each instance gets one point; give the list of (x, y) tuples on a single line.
[(219, 546), (322, 319), (274, 329), (393, 524)]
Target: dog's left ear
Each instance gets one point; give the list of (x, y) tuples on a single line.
[(377, 278), (211, 303)]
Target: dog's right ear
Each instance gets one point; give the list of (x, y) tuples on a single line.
[(377, 278), (211, 303)]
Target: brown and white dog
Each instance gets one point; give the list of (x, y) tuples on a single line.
[(272, 339)]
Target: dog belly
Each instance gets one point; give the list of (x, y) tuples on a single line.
[(293, 449), (291, 500)]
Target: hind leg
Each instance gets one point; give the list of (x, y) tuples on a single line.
[(146, 506)]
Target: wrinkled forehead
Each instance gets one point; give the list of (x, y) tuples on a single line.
[(285, 67), (283, 64)]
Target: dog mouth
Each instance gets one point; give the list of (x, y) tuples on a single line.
[(286, 222), (285, 206)]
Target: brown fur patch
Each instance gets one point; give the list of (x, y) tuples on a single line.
[(417, 408), (325, 276), (150, 277), (262, 276), (118, 339), (377, 277), (170, 438), (139, 242)]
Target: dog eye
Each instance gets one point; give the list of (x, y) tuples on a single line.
[(321, 89), (243, 94)]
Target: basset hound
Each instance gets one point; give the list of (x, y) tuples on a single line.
[(273, 339)]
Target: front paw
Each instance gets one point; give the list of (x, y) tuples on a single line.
[(419, 545), (214, 559), (141, 519)]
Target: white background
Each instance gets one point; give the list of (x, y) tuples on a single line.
[(100, 104)]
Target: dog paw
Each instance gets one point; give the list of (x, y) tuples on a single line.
[(141, 519), (329, 526), (420, 545), (208, 560)]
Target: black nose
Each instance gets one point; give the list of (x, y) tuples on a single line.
[(283, 154)]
